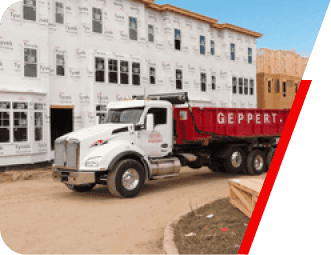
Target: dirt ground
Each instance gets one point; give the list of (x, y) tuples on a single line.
[(42, 216), (216, 228), (11, 176)]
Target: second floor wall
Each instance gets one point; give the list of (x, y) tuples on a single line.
[(50, 46)]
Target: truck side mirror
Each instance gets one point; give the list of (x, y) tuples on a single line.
[(131, 128), (150, 122)]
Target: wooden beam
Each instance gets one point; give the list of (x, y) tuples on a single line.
[(241, 207), (280, 76), (244, 197), (244, 194), (184, 12), (62, 107), (238, 29)]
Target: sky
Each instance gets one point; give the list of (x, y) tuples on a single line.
[(285, 25)]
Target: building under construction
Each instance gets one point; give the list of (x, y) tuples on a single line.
[(278, 77), (61, 62)]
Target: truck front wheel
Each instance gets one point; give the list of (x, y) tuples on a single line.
[(255, 162), (127, 179), (235, 162), (81, 188)]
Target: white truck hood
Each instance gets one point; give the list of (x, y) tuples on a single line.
[(100, 132), (102, 129), (88, 136)]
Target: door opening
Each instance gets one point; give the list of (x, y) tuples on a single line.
[(61, 122)]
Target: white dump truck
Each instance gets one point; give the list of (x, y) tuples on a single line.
[(148, 139)]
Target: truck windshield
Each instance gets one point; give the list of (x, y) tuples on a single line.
[(124, 116)]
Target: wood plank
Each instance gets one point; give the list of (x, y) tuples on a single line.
[(244, 194), (246, 189), (231, 193), (252, 186), (62, 107), (240, 206), (245, 199)]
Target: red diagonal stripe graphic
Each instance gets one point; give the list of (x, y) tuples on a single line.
[(274, 167)]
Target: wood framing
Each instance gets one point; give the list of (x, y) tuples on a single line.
[(244, 194), (274, 68), (62, 107), (238, 29)]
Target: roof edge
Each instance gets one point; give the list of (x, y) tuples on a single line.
[(238, 29), (213, 22)]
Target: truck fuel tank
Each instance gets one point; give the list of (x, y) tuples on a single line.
[(166, 166)]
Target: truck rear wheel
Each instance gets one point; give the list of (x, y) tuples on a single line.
[(255, 162), (127, 179), (81, 188), (234, 163)]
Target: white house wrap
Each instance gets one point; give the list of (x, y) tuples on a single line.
[(62, 61)]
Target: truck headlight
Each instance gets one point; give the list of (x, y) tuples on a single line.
[(93, 162)]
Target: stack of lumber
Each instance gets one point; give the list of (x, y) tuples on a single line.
[(244, 194)]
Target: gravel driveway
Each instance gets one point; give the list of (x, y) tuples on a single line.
[(43, 216)]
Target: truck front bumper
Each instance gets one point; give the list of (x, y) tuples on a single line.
[(73, 177)]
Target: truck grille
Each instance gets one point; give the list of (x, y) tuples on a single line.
[(72, 154), (59, 154), (67, 154)]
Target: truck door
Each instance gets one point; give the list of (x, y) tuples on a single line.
[(158, 143)]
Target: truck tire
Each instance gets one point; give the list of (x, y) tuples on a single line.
[(235, 162), (269, 157), (255, 163), (195, 165), (81, 188), (127, 179)]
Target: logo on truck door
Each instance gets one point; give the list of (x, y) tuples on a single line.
[(183, 115), (155, 137)]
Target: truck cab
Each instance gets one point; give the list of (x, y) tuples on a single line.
[(138, 132)]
